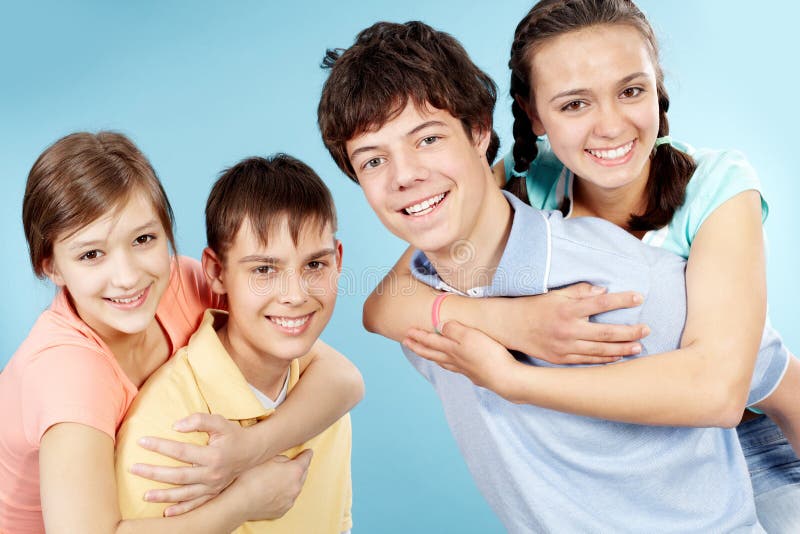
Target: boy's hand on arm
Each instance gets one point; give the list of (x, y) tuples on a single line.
[(467, 351), (555, 326), (230, 451), (269, 490)]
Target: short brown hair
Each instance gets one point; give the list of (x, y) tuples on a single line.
[(78, 179), (390, 64), (262, 190)]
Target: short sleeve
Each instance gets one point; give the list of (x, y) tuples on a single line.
[(71, 384), (720, 176)]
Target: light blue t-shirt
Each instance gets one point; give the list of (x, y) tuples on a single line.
[(547, 471), (720, 175)]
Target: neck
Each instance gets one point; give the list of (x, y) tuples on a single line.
[(265, 372), (614, 205), (139, 354), (472, 260)]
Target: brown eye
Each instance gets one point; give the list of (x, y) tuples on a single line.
[(632, 92)]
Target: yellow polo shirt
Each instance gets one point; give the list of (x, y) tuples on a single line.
[(202, 377)]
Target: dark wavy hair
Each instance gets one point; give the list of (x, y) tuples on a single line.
[(670, 169), (390, 64)]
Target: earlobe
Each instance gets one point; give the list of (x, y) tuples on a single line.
[(533, 117), (212, 267), (52, 273)]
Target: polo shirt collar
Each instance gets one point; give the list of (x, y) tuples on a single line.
[(523, 267), (219, 380)]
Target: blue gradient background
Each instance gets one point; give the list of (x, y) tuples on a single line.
[(200, 85)]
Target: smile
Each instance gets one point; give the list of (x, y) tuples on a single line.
[(291, 325), (424, 207), (129, 302), (612, 154)]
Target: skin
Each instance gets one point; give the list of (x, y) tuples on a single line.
[(604, 100), (123, 253)]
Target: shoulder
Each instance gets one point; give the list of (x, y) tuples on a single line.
[(720, 175), (72, 383)]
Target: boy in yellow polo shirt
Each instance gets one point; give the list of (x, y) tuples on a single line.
[(270, 225)]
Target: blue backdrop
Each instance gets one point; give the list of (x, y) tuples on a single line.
[(200, 85)]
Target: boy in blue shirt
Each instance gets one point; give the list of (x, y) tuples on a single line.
[(407, 115)]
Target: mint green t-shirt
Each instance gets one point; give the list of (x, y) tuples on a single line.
[(720, 175)]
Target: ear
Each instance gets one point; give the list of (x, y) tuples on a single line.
[(530, 111), (339, 251), (482, 136), (50, 271), (212, 267)]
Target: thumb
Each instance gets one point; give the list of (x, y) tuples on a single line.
[(453, 330), (304, 458)]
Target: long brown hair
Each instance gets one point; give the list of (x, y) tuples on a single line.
[(670, 169)]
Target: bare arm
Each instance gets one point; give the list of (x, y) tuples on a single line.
[(330, 386), (555, 326), (79, 493), (704, 383)]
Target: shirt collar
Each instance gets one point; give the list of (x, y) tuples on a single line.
[(220, 381), (523, 265)]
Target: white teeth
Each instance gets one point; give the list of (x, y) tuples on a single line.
[(290, 323), (611, 154), (127, 301), (424, 206)]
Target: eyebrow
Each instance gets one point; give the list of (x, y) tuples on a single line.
[(574, 92), (274, 260), (93, 242), (413, 131)]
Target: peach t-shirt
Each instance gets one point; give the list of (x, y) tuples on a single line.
[(63, 372)]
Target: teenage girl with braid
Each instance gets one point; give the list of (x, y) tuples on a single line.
[(586, 74)]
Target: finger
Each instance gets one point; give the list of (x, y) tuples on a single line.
[(280, 458), (185, 452), (582, 290), (423, 351), (201, 422), (607, 302), (178, 493), (188, 506), (575, 359), (432, 341), (170, 475), (600, 333)]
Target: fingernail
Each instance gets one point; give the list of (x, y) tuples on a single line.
[(144, 442), (645, 331), (135, 469), (147, 496), (636, 349), (597, 290), (638, 299), (179, 425)]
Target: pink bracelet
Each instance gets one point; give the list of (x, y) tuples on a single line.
[(437, 304)]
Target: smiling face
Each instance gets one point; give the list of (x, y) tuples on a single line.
[(424, 177), (595, 97), (115, 269), (280, 296)]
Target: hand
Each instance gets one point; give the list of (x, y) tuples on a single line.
[(555, 327), (269, 490), (464, 350), (211, 467)]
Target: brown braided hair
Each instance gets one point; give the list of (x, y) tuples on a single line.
[(670, 169)]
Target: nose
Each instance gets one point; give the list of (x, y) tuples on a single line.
[(124, 271), (294, 292), (610, 121), (409, 168)]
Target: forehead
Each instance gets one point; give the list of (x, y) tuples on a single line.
[(587, 57), (128, 215), (401, 125), (313, 236)]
